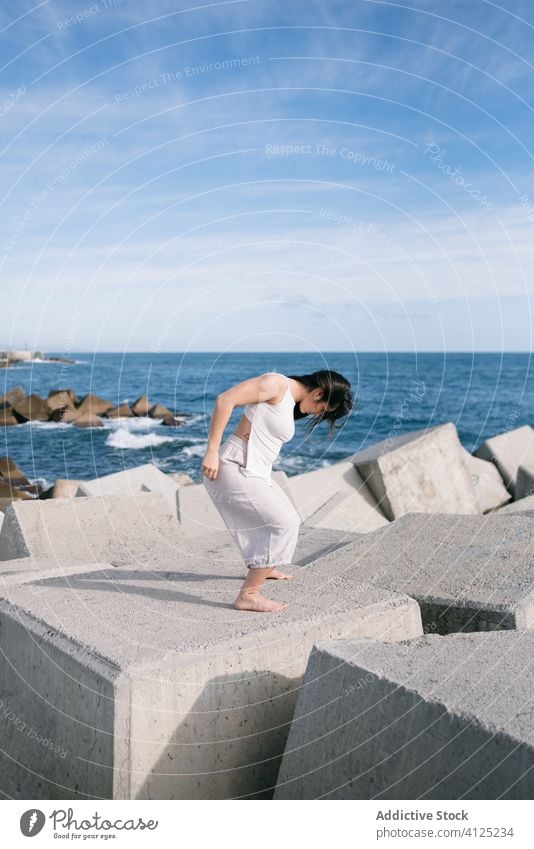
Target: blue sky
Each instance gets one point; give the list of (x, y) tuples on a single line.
[(245, 175)]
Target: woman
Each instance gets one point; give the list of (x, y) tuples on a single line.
[(237, 475)]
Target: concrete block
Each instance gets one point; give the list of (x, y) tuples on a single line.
[(431, 718), (180, 478), (420, 471), (487, 483), (155, 686), (525, 481), (470, 573), (312, 544), (82, 530), (336, 497), (65, 488), (524, 505), (508, 451), (146, 478), (197, 513)]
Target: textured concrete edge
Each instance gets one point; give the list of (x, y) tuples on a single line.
[(41, 630), (191, 676), (26, 570), (330, 657), (338, 649), (12, 543)]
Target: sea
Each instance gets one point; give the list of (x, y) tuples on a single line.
[(483, 394)]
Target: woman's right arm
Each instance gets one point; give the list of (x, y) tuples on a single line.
[(265, 387)]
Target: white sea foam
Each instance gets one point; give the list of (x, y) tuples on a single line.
[(44, 483), (193, 451), (45, 425), (191, 420), (130, 423), (24, 363), (123, 438)]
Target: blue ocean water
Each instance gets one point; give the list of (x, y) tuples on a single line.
[(483, 394)]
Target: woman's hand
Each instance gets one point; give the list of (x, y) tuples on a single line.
[(210, 463)]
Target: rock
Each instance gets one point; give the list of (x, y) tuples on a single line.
[(32, 408), (66, 416), (87, 420), (14, 396), (32, 488), (59, 403), (170, 421), (489, 488), (123, 411), (7, 419), (10, 471), (158, 411), (508, 451), (141, 406), (69, 392), (10, 492), (60, 414), (93, 405), (418, 472)]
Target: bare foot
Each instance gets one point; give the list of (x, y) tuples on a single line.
[(255, 601), (279, 576)]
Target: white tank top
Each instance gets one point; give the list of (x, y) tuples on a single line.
[(271, 426)]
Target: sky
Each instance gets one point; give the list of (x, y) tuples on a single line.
[(257, 175)]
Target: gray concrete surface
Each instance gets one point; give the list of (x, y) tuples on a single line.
[(81, 530), (508, 451), (431, 718), (196, 511), (524, 505), (145, 478), (336, 497), (312, 543), (467, 572), (490, 491), (422, 471), (524, 486), (148, 669)]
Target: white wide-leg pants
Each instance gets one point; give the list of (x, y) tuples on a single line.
[(261, 518)]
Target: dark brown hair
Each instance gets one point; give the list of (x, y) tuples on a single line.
[(336, 392)]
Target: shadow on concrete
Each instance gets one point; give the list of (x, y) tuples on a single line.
[(109, 583), (230, 744)]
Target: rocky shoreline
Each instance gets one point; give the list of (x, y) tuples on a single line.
[(63, 405), (11, 358)]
